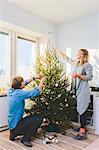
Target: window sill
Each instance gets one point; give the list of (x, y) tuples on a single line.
[(3, 94)]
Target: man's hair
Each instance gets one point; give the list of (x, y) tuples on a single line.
[(16, 82)]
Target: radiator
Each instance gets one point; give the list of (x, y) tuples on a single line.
[(3, 111)]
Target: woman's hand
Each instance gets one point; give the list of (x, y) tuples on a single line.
[(80, 76), (75, 75), (60, 53)]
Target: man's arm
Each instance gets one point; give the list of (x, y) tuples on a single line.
[(35, 92), (33, 78)]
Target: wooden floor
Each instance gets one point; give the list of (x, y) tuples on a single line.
[(65, 142)]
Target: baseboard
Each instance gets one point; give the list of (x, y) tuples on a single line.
[(3, 128)]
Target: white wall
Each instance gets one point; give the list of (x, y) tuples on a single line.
[(98, 29), (20, 17), (79, 33), (82, 32)]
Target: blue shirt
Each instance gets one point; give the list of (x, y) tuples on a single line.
[(16, 104)]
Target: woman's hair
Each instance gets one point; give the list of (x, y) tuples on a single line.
[(16, 82), (86, 55)]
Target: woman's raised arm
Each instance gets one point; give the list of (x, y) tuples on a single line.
[(61, 54)]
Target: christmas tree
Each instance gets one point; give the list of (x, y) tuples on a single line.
[(55, 101)]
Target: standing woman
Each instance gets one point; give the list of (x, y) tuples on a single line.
[(81, 75)]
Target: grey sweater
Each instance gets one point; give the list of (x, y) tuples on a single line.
[(82, 86)]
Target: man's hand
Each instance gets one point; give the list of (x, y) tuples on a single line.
[(42, 82), (39, 76)]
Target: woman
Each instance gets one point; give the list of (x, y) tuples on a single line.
[(81, 75)]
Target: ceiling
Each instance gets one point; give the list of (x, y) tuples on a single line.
[(58, 11)]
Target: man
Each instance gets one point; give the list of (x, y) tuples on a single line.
[(16, 102)]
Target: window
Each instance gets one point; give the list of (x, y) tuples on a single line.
[(94, 61), (4, 60), (25, 57), (68, 65), (18, 50)]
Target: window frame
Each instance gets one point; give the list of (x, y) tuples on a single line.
[(8, 53), (28, 38), (14, 32)]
